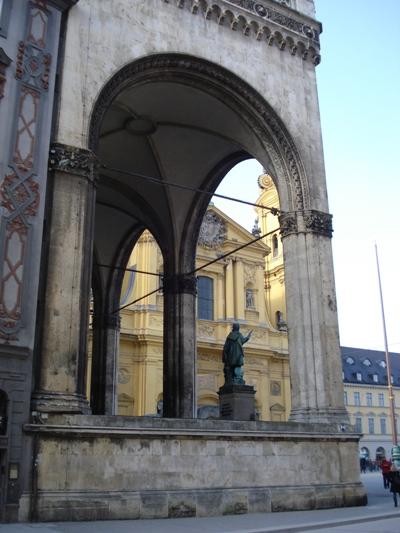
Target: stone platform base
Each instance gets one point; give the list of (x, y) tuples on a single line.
[(98, 468), (84, 506)]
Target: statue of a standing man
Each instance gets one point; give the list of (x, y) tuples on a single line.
[(233, 356)]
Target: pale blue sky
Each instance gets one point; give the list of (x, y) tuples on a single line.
[(359, 88)]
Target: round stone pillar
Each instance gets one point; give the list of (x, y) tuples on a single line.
[(179, 391), (315, 362), (63, 353)]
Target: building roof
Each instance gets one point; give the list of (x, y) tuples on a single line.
[(368, 367)]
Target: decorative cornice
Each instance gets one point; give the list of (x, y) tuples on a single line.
[(318, 222), (288, 224), (72, 160), (180, 284), (279, 26)]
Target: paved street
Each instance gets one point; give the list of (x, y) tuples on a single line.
[(380, 516)]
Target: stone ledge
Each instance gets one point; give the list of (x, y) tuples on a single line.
[(103, 505)]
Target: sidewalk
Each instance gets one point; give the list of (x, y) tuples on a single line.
[(380, 507)]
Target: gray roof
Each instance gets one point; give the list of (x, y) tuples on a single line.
[(370, 365)]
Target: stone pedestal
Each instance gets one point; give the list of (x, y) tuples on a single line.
[(236, 402)]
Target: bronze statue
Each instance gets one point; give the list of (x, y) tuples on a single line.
[(233, 356)]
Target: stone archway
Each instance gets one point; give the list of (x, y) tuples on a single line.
[(163, 129)]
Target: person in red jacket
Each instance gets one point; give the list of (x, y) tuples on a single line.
[(385, 467)]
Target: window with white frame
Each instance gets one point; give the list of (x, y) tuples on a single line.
[(383, 426), (357, 400), (369, 399), (345, 398), (381, 399), (358, 424), (371, 426)]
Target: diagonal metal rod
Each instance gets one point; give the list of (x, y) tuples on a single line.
[(274, 210), (137, 300), (129, 270), (200, 268)]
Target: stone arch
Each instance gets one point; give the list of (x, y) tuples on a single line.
[(290, 174)]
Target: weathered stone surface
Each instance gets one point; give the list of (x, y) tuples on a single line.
[(181, 471)]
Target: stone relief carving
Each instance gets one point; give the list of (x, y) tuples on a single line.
[(123, 376), (204, 330), (249, 273), (318, 222), (72, 160), (212, 231), (288, 224), (275, 388)]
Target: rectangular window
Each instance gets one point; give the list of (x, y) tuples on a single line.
[(359, 376), (357, 398), (371, 425), (383, 426), (345, 398), (205, 298), (381, 399), (358, 425), (369, 399)]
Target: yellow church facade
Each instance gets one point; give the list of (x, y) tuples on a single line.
[(235, 288)]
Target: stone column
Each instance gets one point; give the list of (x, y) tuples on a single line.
[(179, 346), (63, 355), (238, 276), (315, 362), (105, 356), (229, 291)]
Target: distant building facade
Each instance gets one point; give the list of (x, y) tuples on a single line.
[(366, 398)]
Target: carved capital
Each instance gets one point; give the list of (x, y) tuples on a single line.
[(73, 160), (180, 284), (288, 224), (318, 222)]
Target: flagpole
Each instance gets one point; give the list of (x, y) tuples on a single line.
[(388, 363)]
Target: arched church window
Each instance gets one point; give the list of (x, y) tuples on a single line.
[(3, 412), (275, 246), (205, 298)]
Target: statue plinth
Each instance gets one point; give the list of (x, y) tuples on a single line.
[(236, 402)]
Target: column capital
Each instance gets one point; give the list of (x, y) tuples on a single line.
[(318, 222), (288, 223), (73, 160), (307, 221), (180, 284)]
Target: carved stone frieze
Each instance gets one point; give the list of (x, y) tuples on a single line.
[(212, 231), (288, 224), (318, 222), (73, 160), (265, 22)]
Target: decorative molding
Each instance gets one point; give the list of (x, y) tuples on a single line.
[(4, 63), (214, 79), (72, 160), (318, 222), (212, 231), (180, 284), (288, 224), (19, 190), (264, 22)]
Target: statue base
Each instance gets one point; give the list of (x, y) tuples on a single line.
[(236, 402)]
